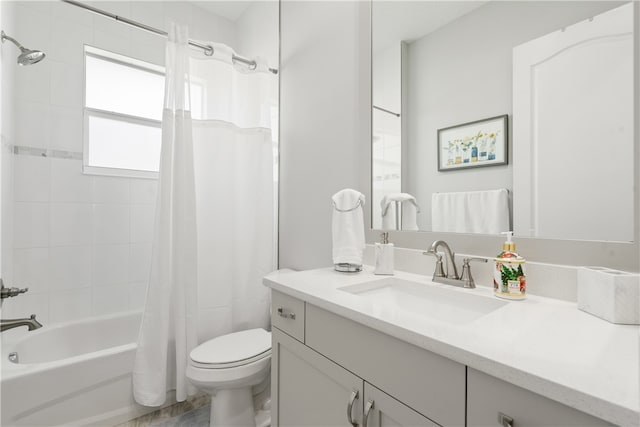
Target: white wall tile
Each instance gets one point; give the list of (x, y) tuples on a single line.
[(144, 190), (30, 225), (68, 39), (139, 262), (31, 269), (64, 11), (33, 25), (68, 183), (111, 224), (66, 128), (71, 224), (109, 189), (110, 299), (33, 83), (149, 12), (69, 267), (70, 305), (142, 222), (33, 124), (112, 42), (31, 178), (66, 84), (110, 264)]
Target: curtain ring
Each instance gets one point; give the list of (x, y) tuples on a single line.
[(253, 65), (208, 50)]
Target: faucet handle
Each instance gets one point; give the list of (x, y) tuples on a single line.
[(10, 292), (466, 277), (439, 271)]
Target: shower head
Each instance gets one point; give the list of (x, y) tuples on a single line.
[(27, 56)]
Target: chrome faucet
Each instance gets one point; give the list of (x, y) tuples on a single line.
[(30, 323), (451, 276)]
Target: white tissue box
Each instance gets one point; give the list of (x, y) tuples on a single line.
[(609, 294)]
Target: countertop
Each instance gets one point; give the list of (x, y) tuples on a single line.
[(544, 345)]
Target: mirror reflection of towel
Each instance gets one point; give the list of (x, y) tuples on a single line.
[(484, 212), (408, 207)]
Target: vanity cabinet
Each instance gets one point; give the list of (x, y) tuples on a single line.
[(326, 368), (314, 391), (310, 390), (489, 397)]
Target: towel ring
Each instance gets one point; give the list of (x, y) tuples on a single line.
[(347, 210)]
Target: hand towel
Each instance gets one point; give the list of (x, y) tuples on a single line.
[(409, 211), (484, 212), (348, 227)]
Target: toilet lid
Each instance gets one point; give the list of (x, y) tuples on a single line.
[(233, 349)]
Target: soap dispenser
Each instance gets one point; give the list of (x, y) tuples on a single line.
[(384, 256), (509, 279)]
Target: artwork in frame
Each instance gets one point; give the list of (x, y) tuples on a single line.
[(474, 144)]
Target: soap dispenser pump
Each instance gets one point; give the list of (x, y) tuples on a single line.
[(509, 279), (384, 256)]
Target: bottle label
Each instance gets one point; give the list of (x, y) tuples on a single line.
[(509, 280)]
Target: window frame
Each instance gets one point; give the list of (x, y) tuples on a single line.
[(88, 112)]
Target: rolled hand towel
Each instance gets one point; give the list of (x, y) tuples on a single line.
[(348, 227)]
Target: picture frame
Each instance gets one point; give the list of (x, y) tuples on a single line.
[(474, 144)]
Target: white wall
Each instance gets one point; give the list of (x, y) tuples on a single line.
[(462, 73), (81, 243), (324, 122)]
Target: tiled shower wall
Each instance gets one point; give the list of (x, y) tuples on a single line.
[(81, 243)]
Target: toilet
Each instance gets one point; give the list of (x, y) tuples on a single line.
[(227, 367)]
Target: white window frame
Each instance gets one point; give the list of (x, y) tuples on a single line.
[(89, 112)]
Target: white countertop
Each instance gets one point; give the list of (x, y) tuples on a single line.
[(544, 345)]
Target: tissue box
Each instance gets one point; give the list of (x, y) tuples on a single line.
[(609, 294)]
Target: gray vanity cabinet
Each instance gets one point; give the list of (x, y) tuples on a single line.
[(388, 412), (310, 390), (489, 397), (313, 391)]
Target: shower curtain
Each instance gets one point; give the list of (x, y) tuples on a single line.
[(217, 172)]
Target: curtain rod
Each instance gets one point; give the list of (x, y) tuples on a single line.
[(380, 108), (208, 49)]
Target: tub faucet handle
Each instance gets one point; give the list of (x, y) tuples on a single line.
[(11, 292)]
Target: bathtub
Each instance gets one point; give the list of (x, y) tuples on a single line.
[(76, 373)]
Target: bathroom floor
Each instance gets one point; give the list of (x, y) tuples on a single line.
[(194, 412)]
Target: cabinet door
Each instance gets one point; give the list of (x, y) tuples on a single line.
[(488, 397), (310, 390), (385, 411)]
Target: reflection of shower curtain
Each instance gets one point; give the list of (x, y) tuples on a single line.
[(223, 158)]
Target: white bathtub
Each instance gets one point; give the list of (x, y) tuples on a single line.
[(77, 373)]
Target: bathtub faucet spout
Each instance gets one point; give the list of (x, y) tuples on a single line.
[(30, 323)]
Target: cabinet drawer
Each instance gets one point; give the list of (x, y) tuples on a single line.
[(430, 384), (287, 314), (488, 397)]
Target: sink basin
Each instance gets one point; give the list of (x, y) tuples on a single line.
[(392, 296)]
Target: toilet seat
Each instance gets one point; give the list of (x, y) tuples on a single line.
[(232, 350)]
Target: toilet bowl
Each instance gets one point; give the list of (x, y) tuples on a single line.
[(226, 368)]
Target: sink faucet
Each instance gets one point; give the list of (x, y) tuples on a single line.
[(451, 276), (30, 323), (452, 272)]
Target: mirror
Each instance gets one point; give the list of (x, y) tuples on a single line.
[(441, 70)]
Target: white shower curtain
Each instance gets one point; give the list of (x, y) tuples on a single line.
[(216, 171)]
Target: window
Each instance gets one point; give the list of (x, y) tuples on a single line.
[(122, 115)]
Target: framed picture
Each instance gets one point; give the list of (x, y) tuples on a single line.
[(474, 144)]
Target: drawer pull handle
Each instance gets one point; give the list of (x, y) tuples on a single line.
[(367, 409), (286, 314), (354, 396), (505, 420)]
